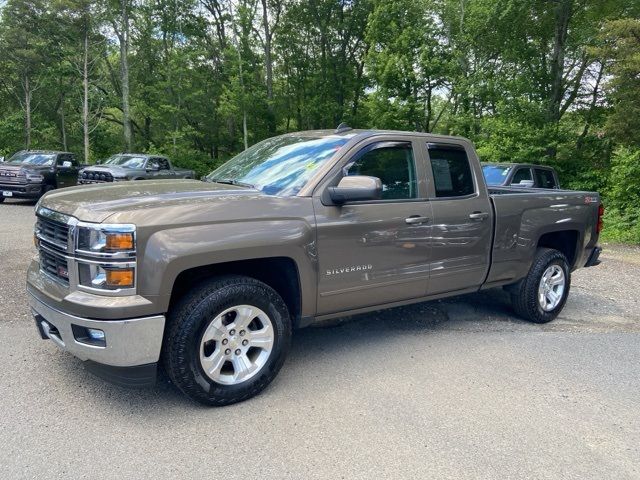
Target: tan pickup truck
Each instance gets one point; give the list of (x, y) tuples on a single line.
[(208, 278)]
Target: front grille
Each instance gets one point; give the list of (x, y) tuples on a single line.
[(55, 265), (89, 176), (55, 233), (7, 176)]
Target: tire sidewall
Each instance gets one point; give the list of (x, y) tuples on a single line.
[(552, 258), (196, 323)]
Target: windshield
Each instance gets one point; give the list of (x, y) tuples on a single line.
[(495, 174), (26, 158), (126, 161), (279, 165)]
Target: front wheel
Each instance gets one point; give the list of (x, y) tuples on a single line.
[(226, 340), (541, 295)]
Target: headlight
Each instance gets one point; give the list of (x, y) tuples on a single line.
[(34, 178), (106, 276), (106, 257), (109, 240)]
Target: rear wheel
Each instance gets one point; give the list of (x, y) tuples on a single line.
[(226, 340), (541, 295)]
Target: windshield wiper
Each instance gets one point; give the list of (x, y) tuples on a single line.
[(231, 182)]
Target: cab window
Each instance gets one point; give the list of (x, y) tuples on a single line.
[(545, 178), (523, 174), (451, 171), (164, 163), (393, 163)]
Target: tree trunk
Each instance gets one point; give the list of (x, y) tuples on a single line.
[(271, 121), (63, 127), (85, 96), (243, 106), (27, 109), (563, 12), (124, 75)]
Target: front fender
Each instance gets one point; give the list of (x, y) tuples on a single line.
[(172, 251)]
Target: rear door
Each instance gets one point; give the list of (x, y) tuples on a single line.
[(375, 252), (462, 218)]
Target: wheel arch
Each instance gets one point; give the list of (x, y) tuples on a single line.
[(565, 241)]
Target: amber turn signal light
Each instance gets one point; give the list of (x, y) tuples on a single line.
[(119, 241), (120, 278)]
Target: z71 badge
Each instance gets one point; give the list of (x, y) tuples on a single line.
[(349, 269)]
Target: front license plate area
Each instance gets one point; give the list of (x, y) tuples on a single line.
[(7, 194)]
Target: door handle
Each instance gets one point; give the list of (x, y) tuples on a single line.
[(478, 215), (416, 220)]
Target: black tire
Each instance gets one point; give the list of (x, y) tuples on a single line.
[(1, 199), (192, 314), (524, 296)]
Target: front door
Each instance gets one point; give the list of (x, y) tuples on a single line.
[(165, 169), (66, 173), (375, 252), (462, 220)]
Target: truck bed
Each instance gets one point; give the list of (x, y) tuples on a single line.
[(524, 215)]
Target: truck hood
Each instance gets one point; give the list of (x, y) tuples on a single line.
[(133, 201)]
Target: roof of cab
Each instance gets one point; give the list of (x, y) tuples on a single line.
[(514, 164)]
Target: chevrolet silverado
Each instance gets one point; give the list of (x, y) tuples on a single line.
[(208, 278)]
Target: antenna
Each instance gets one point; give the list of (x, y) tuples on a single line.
[(343, 127)]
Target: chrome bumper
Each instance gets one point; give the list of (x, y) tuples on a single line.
[(127, 343)]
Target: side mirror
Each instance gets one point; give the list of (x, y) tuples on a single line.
[(66, 164), (356, 188), (524, 184), (1, 159)]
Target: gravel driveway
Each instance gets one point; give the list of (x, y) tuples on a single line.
[(454, 389)]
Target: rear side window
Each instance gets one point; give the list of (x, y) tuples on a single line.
[(522, 174), (393, 164), (545, 178), (452, 175), (164, 163)]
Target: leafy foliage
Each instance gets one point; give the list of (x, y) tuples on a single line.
[(554, 82)]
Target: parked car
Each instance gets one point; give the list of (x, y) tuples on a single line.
[(132, 166), (32, 173), (210, 277), (520, 175)]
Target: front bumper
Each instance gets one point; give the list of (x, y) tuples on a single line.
[(21, 190), (131, 347)]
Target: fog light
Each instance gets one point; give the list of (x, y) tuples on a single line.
[(89, 336), (95, 334)]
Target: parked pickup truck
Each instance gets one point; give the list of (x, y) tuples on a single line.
[(209, 278), (519, 175), (32, 173), (132, 166)]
